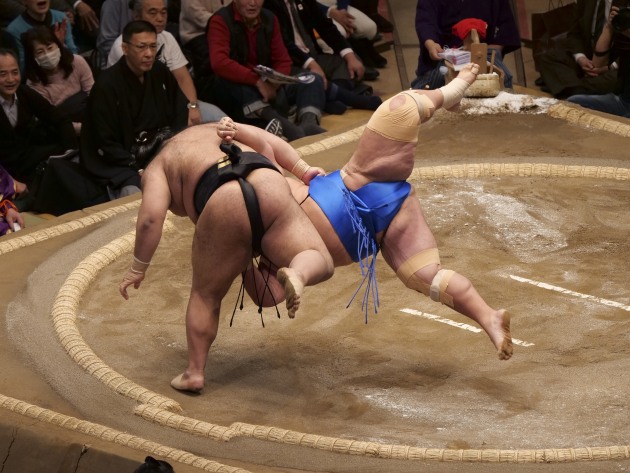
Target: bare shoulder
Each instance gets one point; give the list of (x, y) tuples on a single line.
[(154, 171)]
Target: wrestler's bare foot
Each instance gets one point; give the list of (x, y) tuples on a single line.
[(469, 72), (293, 288), (189, 383), (500, 334)]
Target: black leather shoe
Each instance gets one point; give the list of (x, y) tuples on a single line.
[(378, 60), (370, 74)]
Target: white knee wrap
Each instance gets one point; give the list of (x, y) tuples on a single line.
[(439, 285), (453, 92)]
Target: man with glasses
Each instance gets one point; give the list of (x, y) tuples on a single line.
[(132, 105), (169, 53)]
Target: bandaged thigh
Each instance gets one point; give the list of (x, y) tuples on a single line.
[(453, 92), (407, 271)]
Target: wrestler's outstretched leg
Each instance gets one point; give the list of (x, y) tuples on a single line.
[(409, 235), (267, 287), (451, 94), (292, 244)]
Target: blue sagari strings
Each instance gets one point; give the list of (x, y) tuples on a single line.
[(366, 246)]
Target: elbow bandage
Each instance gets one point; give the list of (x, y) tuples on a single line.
[(453, 92)]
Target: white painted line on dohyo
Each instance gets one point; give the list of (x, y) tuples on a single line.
[(562, 290), (463, 326)]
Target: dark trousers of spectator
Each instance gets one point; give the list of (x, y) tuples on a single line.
[(243, 102), (563, 77)]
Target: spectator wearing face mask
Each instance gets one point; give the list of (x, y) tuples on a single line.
[(62, 78), (38, 13)]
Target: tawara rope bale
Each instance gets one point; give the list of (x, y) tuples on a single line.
[(583, 117), (50, 232), (349, 136), (184, 424), (478, 170), (114, 436), (64, 312)]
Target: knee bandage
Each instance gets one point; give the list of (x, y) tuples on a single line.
[(439, 285), (453, 92), (407, 271), (437, 289)]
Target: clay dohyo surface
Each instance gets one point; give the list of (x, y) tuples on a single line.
[(551, 250)]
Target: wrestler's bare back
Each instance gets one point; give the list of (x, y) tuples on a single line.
[(183, 160)]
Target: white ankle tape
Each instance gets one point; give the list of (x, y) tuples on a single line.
[(453, 92)]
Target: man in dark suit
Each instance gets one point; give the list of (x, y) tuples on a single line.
[(305, 51), (341, 71), (568, 69), (30, 128)]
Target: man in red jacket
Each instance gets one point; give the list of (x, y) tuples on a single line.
[(241, 36)]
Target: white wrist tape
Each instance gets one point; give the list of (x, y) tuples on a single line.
[(138, 266), (300, 168)]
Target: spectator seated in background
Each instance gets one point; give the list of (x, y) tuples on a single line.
[(170, 54), (434, 26), (38, 13), (82, 14), (31, 129), (613, 43), (133, 106), (241, 36), (370, 8), (64, 79), (193, 28), (354, 25), (9, 214), (567, 69), (115, 14), (342, 72), (9, 11)]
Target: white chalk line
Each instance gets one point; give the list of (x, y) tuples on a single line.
[(460, 325), (599, 300)]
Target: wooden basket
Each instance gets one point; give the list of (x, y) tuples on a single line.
[(486, 85)]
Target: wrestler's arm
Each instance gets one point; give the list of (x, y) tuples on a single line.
[(271, 146), (156, 199)]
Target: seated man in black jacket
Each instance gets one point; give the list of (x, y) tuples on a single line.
[(133, 104), (341, 71), (568, 69), (30, 128)]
